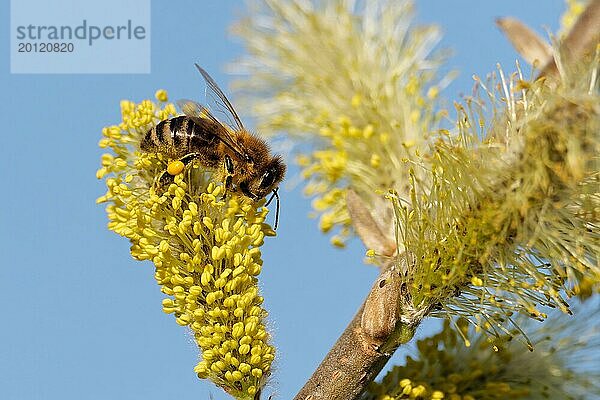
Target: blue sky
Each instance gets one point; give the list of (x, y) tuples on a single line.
[(81, 319)]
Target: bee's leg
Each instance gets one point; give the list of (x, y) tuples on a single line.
[(168, 175), (229, 177), (188, 158), (161, 181), (165, 179)]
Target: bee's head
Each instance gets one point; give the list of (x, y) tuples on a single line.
[(267, 179)]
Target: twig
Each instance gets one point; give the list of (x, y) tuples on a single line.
[(365, 346)]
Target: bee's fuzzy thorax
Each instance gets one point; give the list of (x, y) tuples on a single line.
[(258, 149)]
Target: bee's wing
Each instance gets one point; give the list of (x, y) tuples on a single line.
[(199, 114), (220, 101)]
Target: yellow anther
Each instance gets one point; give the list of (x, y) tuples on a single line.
[(161, 95)]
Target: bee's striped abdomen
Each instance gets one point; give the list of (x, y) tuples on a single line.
[(161, 138), (179, 129), (179, 136)]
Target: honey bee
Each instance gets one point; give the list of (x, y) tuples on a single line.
[(244, 159)]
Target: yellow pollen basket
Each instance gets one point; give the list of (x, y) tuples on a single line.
[(175, 167)]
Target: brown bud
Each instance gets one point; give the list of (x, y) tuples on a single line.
[(382, 309)]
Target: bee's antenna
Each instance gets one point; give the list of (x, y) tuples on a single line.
[(271, 198), (274, 195)]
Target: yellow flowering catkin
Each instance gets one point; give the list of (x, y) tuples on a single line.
[(508, 222), (350, 80), (563, 365), (205, 248)]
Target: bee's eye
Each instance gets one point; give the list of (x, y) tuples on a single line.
[(267, 179)]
